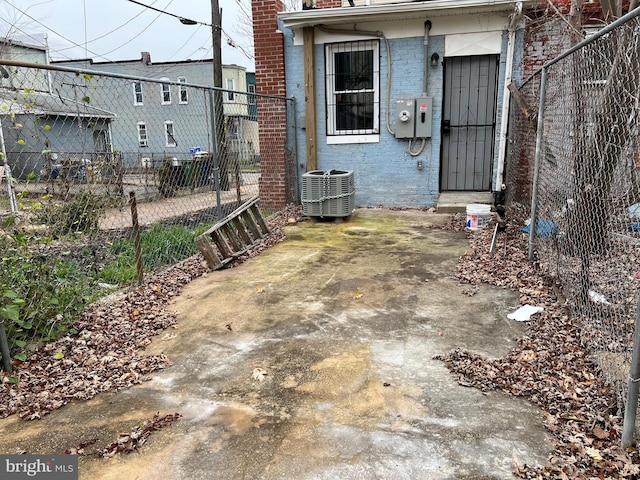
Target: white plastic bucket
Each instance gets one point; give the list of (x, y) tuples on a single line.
[(477, 216)]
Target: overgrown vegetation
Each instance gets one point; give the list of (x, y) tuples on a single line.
[(46, 284), (161, 246), (81, 215)]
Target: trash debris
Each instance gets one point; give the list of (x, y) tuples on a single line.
[(523, 314), (546, 228), (634, 211), (598, 297), (259, 374)]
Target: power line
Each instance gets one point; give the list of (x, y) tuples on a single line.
[(140, 32), (183, 20), (53, 31)]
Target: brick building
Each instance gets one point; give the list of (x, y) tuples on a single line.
[(409, 96)]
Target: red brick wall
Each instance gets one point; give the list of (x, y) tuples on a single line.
[(270, 80), (545, 37), (328, 3)]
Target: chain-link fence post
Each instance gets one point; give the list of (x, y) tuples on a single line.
[(4, 348), (631, 407), (136, 236), (536, 169)]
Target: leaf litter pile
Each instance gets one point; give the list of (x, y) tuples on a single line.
[(107, 353), (550, 366)]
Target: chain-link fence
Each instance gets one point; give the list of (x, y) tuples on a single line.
[(78, 149), (585, 200)]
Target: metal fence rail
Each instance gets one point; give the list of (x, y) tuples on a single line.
[(585, 199), (78, 146)]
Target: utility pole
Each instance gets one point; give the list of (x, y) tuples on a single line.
[(216, 36), (220, 138)]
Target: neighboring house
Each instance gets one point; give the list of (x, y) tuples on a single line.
[(240, 114), (44, 133), (410, 96), (157, 119), (250, 124)]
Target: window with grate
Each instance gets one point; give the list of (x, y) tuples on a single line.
[(353, 87)]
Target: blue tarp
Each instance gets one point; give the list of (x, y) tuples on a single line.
[(546, 228)]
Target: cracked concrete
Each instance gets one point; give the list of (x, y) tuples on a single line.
[(345, 318)]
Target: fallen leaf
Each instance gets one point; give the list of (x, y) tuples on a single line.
[(593, 453), (259, 374)]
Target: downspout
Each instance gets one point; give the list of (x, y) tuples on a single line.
[(506, 95), (425, 82), (425, 57)]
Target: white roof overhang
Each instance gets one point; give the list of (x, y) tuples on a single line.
[(394, 12)]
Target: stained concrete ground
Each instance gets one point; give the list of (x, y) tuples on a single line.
[(345, 319)]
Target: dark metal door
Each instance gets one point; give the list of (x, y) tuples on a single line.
[(468, 122)]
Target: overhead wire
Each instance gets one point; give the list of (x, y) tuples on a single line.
[(109, 32), (140, 32), (49, 29), (229, 39)]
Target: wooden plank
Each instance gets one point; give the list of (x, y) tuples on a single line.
[(232, 238), (308, 41), (242, 232), (228, 218), (252, 225), (256, 214), (220, 242), (207, 251)]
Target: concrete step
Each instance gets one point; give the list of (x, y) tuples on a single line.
[(456, 202)]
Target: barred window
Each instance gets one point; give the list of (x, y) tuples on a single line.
[(353, 88)]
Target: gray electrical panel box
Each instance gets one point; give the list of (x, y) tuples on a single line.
[(405, 116), (413, 117), (424, 112)]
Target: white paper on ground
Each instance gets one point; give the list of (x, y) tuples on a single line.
[(524, 313)]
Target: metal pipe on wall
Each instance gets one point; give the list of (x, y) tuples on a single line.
[(425, 59)]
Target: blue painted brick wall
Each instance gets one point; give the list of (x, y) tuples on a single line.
[(385, 174)]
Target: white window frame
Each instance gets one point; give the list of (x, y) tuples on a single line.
[(170, 135), (183, 91), (165, 92), (231, 85), (143, 136), (137, 93), (251, 89), (368, 135)]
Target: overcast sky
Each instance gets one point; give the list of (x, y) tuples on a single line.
[(119, 29)]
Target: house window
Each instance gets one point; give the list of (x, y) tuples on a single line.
[(137, 93), (353, 88), (169, 135), (231, 86), (165, 92), (251, 88), (233, 127), (183, 95), (142, 134)]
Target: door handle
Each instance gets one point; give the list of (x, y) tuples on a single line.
[(446, 126)]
